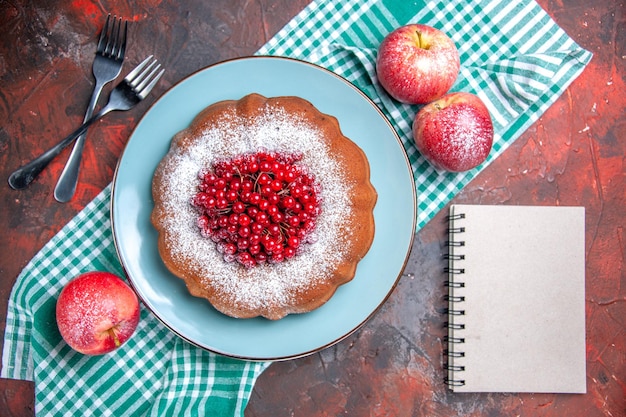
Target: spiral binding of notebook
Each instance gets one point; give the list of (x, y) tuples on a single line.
[(455, 298)]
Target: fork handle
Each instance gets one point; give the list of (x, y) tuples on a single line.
[(66, 185), (24, 175)]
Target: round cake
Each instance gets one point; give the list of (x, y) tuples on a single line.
[(263, 207)]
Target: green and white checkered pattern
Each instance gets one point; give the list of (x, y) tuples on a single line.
[(513, 56), (154, 374)]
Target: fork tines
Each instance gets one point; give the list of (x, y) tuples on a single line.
[(112, 40), (143, 78)]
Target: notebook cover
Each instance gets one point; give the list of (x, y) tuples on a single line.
[(518, 322)]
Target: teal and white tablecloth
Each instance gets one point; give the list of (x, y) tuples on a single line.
[(513, 56)]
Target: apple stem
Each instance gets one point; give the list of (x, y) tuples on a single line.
[(116, 339), (419, 40)]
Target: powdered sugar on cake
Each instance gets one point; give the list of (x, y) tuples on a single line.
[(275, 284)]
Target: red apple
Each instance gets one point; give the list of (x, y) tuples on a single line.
[(454, 133), (97, 312), (417, 64)]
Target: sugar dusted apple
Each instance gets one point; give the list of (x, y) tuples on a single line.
[(454, 133), (97, 312), (417, 64)]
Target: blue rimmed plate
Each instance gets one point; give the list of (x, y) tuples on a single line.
[(259, 339)]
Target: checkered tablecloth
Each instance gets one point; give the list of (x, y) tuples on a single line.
[(512, 55)]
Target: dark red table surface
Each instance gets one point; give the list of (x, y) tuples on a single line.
[(575, 154)]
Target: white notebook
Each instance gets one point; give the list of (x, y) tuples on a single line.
[(516, 299)]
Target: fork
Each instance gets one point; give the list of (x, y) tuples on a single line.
[(131, 90), (107, 65)]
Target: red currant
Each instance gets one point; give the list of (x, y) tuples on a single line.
[(264, 179), (264, 205), (257, 207), (244, 220), (239, 207), (293, 242), (276, 185)]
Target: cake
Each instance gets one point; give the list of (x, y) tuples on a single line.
[(263, 207)]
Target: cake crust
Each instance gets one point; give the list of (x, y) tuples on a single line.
[(346, 222)]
